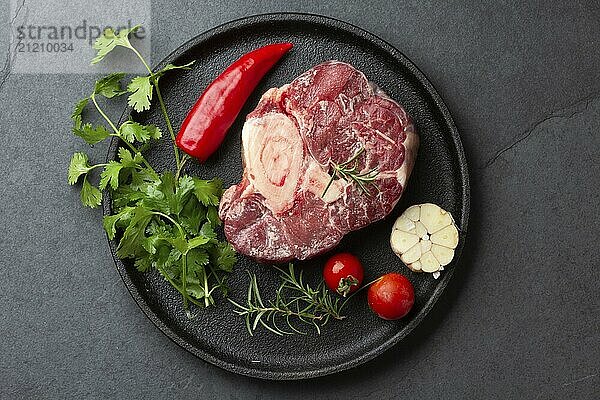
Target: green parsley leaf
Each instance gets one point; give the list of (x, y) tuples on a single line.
[(194, 289), (172, 266), (159, 235), (198, 241), (140, 180), (77, 111), (169, 197), (212, 214), (110, 175), (140, 88), (197, 259), (161, 196), (143, 264), (108, 41), (170, 67), (110, 85), (207, 231), (192, 214), (179, 243), (153, 131), (223, 256), (161, 258), (132, 131), (126, 196), (174, 257), (78, 166), (182, 194), (128, 160), (90, 134), (91, 196), (155, 199), (134, 235), (109, 222), (208, 191)]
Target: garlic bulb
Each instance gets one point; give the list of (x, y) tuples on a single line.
[(425, 237)]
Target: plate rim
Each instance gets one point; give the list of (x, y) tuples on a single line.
[(465, 185)]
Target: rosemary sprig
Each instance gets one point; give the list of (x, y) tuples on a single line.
[(294, 299), (348, 171)]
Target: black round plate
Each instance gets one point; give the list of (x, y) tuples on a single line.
[(440, 176)]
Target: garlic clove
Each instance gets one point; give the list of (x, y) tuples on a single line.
[(411, 255), (402, 241), (429, 263), (447, 237), (416, 266), (434, 218), (444, 255), (420, 230), (404, 224), (425, 246), (413, 213)]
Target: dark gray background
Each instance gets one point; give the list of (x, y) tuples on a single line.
[(521, 317)]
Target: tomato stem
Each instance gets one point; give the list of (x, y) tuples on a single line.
[(366, 285)]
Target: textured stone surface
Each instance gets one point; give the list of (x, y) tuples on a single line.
[(520, 319)]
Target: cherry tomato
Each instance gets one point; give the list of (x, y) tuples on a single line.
[(392, 296), (343, 273)]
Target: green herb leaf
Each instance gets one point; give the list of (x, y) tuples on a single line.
[(143, 264), (126, 196), (108, 41), (179, 243), (223, 256), (110, 85), (109, 222), (134, 235), (91, 196), (170, 67), (198, 241), (110, 175), (155, 199), (195, 290), (207, 231), (349, 171), (161, 195), (192, 214), (294, 299), (153, 131), (128, 160), (173, 259), (183, 192), (140, 180), (132, 131), (90, 134), (160, 235), (212, 214), (197, 259), (140, 88), (77, 111), (208, 192), (78, 166)]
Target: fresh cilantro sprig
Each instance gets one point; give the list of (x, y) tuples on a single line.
[(140, 88), (164, 222)]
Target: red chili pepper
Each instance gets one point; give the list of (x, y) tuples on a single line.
[(206, 124)]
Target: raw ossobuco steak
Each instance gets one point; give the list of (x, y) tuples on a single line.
[(291, 142)]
